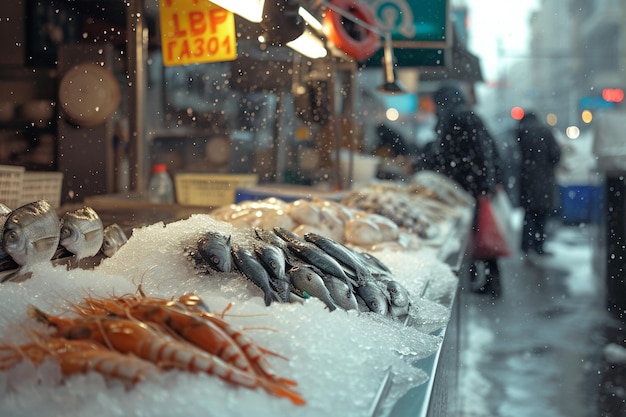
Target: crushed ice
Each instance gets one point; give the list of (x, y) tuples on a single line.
[(338, 358)]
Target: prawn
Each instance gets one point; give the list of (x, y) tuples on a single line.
[(80, 356), (131, 336), (192, 328), (212, 333)]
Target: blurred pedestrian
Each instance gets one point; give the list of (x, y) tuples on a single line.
[(467, 153), (540, 153)]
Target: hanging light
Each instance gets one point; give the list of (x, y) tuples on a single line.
[(251, 10), (281, 21), (390, 86), (309, 45)]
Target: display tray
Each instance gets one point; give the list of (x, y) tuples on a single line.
[(381, 398)]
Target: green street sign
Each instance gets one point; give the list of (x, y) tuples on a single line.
[(419, 30), (413, 23)]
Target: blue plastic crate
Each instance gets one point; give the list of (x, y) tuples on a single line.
[(578, 203)]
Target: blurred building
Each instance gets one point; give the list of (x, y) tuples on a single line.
[(578, 48)]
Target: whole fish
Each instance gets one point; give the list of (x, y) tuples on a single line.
[(4, 214), (31, 234), (287, 235), (315, 256), (374, 261), (399, 312), (309, 282), (215, 249), (114, 239), (340, 292), (398, 295), (82, 232), (246, 263), (274, 261), (270, 237), (374, 297), (341, 253)]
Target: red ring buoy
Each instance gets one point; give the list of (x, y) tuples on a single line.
[(360, 47)]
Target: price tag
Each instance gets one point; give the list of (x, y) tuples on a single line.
[(196, 31)]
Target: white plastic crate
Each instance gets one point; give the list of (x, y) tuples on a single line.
[(11, 178), (42, 186)]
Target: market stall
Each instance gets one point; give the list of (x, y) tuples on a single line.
[(389, 364)]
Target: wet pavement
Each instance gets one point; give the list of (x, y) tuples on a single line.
[(538, 349)]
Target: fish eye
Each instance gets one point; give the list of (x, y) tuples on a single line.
[(273, 264), (11, 235), (215, 259)]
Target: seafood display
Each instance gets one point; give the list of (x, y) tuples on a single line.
[(382, 215), (287, 268), (137, 337), (218, 347), (33, 233), (273, 269), (435, 186), (345, 225)]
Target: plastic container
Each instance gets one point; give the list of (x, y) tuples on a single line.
[(42, 186), (11, 178), (160, 186), (211, 190)]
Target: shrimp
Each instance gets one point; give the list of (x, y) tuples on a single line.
[(131, 336), (212, 333), (254, 353), (201, 333), (80, 356)]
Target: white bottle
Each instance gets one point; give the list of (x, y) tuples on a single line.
[(160, 187)]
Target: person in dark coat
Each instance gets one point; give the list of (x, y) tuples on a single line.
[(540, 153), (467, 153)]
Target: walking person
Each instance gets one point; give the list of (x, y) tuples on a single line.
[(467, 153), (540, 153)]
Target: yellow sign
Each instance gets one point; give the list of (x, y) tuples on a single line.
[(196, 31)]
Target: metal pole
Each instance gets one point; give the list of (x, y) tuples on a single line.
[(136, 52)]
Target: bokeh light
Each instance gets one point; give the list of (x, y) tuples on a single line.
[(517, 113)]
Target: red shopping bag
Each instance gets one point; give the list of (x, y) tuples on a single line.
[(489, 239)]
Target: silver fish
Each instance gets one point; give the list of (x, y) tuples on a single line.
[(274, 261), (374, 297), (271, 238), (340, 293), (315, 256), (398, 295), (215, 249), (31, 234), (307, 281), (4, 214), (114, 239), (82, 232), (251, 268), (342, 254), (399, 312), (287, 235), (374, 262)]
